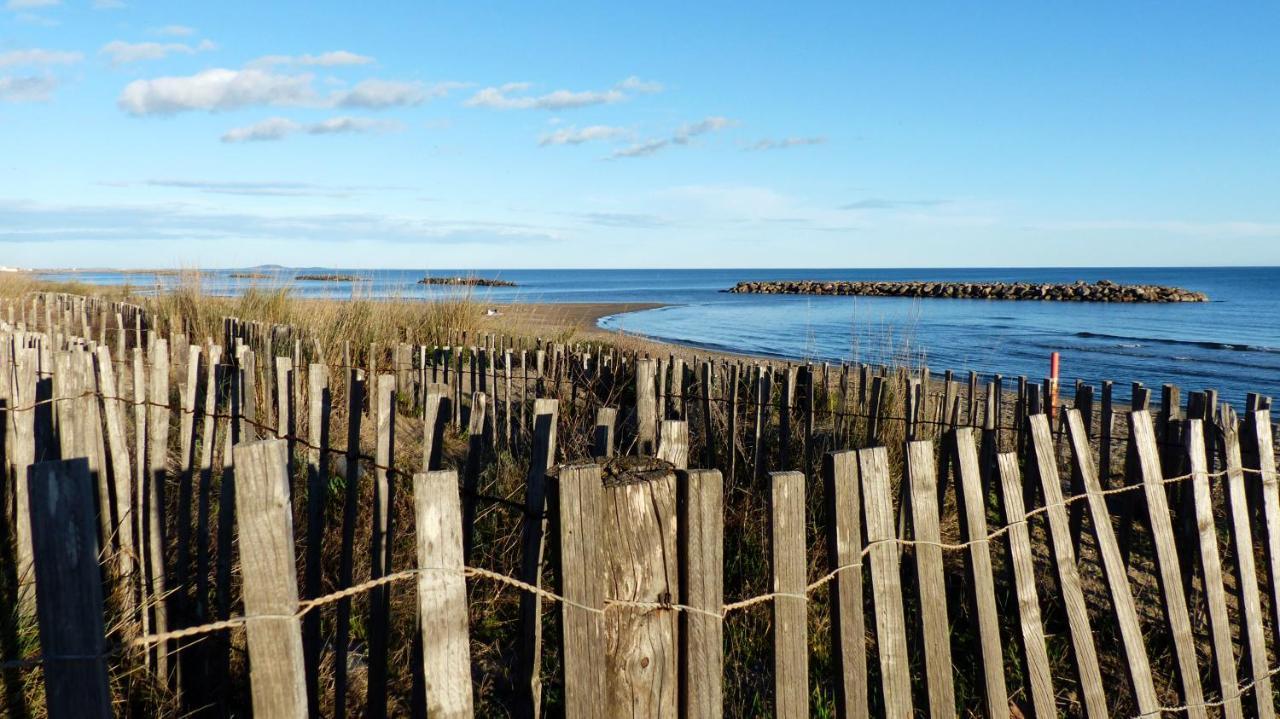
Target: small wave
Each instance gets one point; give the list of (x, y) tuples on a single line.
[(1133, 342)]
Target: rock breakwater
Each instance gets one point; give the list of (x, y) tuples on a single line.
[(1103, 291)]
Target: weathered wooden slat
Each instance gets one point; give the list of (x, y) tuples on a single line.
[(474, 466), (532, 541), (157, 462), (68, 589), (1038, 673), (1248, 595), (582, 583), (380, 538), (973, 522), (121, 470), (320, 404), (673, 443), (1136, 660), (1064, 559), (844, 554), (606, 427), (708, 426), (1211, 572), (700, 524), (442, 595), (886, 582), (1142, 434), (1270, 514), (646, 406), (20, 444), (277, 674), (931, 582), (640, 542), (763, 392), (790, 626), (350, 501)]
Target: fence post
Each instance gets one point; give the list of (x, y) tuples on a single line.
[(121, 472), (435, 416), (606, 424), (383, 408), (471, 472), (1039, 677), (973, 522), (582, 582), (277, 676), (708, 426), (700, 526), (1142, 433), (1114, 567), (921, 473), (442, 595), (1270, 500), (20, 445), (1215, 594), (68, 589), (157, 461), (320, 400), (790, 605), (355, 399), (886, 582), (640, 542), (673, 443), (1064, 558), (532, 541), (646, 405), (844, 555), (1252, 640)]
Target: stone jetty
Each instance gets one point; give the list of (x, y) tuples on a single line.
[(465, 281), (328, 278), (1102, 291)]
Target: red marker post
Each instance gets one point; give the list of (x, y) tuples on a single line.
[(1054, 363)]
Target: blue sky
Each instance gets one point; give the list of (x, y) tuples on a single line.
[(638, 135)]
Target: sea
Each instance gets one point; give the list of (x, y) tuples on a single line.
[(1231, 344)]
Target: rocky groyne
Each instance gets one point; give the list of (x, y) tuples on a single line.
[(328, 278), (1103, 291), (465, 281)]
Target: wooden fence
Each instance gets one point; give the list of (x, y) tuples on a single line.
[(1146, 528)]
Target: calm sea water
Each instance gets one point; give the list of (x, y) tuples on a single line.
[(1231, 344)]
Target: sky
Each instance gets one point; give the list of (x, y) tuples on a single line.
[(544, 135)]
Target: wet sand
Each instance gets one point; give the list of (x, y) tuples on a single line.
[(581, 318)]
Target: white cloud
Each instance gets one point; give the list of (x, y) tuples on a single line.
[(576, 136), (214, 90), (175, 31), (635, 84), (335, 58), (38, 57), (278, 128), (337, 125), (120, 52), (222, 89), (25, 221), (272, 128), (33, 88), (785, 143), (501, 98), (261, 188), (641, 149), (378, 94), (681, 136), (30, 4)]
